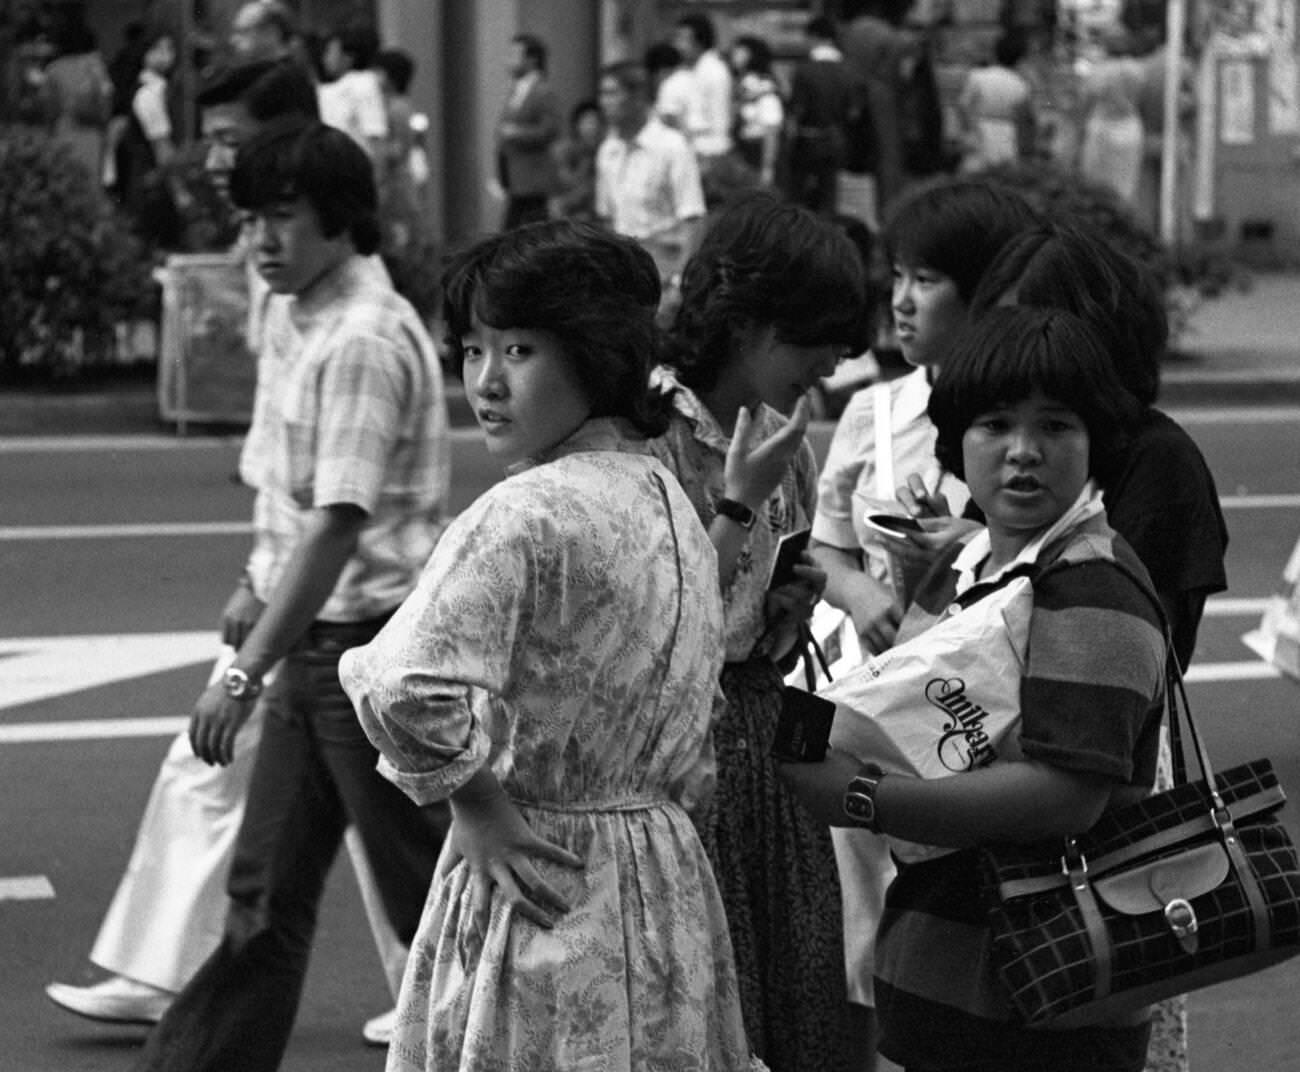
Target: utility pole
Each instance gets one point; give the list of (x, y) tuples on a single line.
[(1175, 24)]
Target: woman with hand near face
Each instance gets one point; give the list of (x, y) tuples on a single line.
[(555, 675), (771, 300)]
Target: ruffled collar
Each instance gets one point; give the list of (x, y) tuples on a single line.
[(687, 404)]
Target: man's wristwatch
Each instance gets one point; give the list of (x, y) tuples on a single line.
[(860, 797), (735, 511), (239, 686)]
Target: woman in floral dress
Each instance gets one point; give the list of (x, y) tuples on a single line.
[(555, 676), (771, 300)]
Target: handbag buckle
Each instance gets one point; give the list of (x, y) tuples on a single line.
[(1181, 917), (1074, 865)]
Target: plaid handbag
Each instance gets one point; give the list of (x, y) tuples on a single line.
[(1182, 890)]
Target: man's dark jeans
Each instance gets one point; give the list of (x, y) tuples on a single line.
[(315, 774)]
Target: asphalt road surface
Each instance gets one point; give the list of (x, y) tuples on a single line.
[(115, 559)]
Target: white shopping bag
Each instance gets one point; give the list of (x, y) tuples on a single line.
[(1277, 638), (944, 702)]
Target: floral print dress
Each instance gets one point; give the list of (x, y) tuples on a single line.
[(568, 632), (775, 863)]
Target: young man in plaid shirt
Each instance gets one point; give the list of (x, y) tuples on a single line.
[(348, 452)]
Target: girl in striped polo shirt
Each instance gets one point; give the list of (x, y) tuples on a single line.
[(1031, 416)]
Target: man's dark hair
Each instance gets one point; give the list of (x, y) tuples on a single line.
[(268, 89), (661, 56), (359, 41), (820, 27), (534, 49), (630, 75), (595, 291), (398, 67), (292, 158), (701, 27)]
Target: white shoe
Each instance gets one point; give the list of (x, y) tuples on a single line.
[(115, 1000), (378, 1031)]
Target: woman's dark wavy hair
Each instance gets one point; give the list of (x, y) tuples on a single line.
[(295, 157), (956, 226), (768, 262), (595, 291), (1069, 266), (1011, 352)]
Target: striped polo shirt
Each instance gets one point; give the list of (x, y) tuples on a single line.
[(1091, 702)]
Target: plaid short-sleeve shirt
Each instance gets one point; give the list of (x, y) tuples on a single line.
[(350, 410)]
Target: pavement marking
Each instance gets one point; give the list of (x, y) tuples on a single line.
[(1223, 607), (26, 888), (107, 443), (118, 532), (1235, 415), (41, 668), (1259, 502), (92, 729), (1253, 670)]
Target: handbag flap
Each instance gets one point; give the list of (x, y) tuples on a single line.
[(1149, 887)]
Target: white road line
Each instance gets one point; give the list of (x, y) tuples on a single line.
[(1254, 670), (1223, 607), (118, 532), (108, 444), (1259, 502), (26, 888), (1236, 415), (92, 729)]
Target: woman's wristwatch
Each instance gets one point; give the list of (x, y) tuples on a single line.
[(735, 511), (860, 797)]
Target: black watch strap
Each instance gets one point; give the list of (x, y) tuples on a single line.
[(860, 797), (735, 511)]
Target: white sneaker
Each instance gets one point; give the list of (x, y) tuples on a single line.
[(378, 1031), (115, 1000)]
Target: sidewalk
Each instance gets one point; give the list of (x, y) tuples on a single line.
[(1241, 347)]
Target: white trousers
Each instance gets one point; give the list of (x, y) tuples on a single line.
[(169, 911)]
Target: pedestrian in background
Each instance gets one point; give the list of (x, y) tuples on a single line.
[(350, 95), (80, 96), (399, 205), (263, 30), (348, 453), (1113, 134), (575, 162), (770, 302), (647, 179), (823, 103), (674, 91), (996, 110), (526, 133), (759, 108), (556, 680), (696, 39)]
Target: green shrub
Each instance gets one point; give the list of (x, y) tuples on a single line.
[(70, 268)]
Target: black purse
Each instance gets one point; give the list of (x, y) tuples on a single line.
[(803, 729), (1187, 888)]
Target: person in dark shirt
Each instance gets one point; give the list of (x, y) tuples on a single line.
[(822, 104), (1163, 499)]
